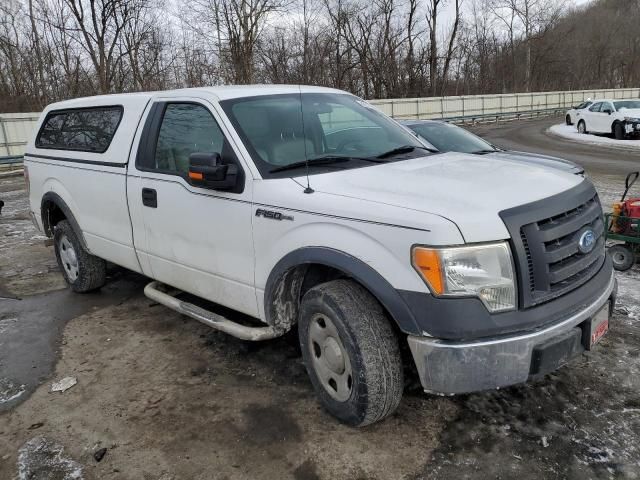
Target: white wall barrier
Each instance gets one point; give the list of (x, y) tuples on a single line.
[(16, 128)]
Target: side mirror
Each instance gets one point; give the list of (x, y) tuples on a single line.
[(206, 170), (608, 111)]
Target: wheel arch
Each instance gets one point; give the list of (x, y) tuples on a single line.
[(54, 209), (301, 269)]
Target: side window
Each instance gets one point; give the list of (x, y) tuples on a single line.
[(595, 107), (608, 106), (186, 128), (80, 129)]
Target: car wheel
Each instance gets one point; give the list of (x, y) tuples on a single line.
[(351, 352), (618, 131), (82, 271), (622, 257), (582, 127), (568, 120)]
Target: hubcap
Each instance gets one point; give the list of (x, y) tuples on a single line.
[(329, 358), (68, 258)]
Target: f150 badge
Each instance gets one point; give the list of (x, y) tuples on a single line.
[(272, 215)]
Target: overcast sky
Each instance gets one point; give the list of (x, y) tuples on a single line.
[(449, 10)]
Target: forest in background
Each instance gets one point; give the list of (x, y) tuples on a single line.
[(57, 49)]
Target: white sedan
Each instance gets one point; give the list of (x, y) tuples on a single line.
[(573, 115), (618, 117)]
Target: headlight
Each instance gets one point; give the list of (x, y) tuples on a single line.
[(483, 271)]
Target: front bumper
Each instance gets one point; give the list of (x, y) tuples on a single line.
[(632, 127), (447, 367)]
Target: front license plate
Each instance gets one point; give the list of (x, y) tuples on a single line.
[(599, 325)]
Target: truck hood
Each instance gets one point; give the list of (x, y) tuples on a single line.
[(469, 190), (542, 160)]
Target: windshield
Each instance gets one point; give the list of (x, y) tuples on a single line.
[(449, 138), (335, 125), (627, 104)]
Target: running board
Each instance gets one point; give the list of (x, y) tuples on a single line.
[(209, 318)]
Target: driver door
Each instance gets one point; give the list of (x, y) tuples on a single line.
[(194, 238)]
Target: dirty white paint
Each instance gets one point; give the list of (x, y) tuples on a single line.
[(45, 460)]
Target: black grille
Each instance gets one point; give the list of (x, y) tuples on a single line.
[(545, 243)]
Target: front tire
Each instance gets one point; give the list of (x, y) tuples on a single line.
[(618, 131), (351, 353), (582, 127), (622, 257), (82, 271)]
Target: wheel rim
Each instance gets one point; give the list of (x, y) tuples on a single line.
[(68, 257), (329, 358), (618, 258), (581, 128)]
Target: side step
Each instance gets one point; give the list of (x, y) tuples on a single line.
[(152, 290)]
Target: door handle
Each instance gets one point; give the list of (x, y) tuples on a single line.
[(149, 197)]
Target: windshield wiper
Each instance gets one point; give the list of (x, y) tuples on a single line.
[(324, 160), (482, 152), (404, 149)]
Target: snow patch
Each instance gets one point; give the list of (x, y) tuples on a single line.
[(43, 459), (9, 390), (571, 133)]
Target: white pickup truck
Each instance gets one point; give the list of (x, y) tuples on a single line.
[(307, 207)]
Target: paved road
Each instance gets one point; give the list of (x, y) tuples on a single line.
[(531, 136)]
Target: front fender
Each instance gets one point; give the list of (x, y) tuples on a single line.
[(351, 266)]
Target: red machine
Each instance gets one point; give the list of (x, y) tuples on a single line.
[(626, 213)]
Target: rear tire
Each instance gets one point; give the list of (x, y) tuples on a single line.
[(618, 131), (82, 271), (568, 120), (622, 257), (582, 127), (351, 353)]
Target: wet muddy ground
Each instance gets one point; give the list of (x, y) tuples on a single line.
[(160, 396)]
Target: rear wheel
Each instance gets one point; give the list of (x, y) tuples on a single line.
[(618, 131), (81, 270), (582, 127), (568, 120), (351, 352), (622, 257)]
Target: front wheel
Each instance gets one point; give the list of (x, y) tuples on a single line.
[(582, 127), (82, 271), (351, 352), (568, 120), (618, 131), (622, 257)]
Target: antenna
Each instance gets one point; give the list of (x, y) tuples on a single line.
[(308, 189)]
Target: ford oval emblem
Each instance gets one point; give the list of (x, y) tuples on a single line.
[(587, 241)]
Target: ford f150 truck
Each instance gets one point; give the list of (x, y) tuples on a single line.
[(307, 207)]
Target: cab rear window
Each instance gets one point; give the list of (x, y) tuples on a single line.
[(80, 129)]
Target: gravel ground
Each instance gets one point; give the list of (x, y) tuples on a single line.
[(160, 396)]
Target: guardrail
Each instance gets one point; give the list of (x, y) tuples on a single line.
[(15, 129), (477, 106), (11, 160)]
